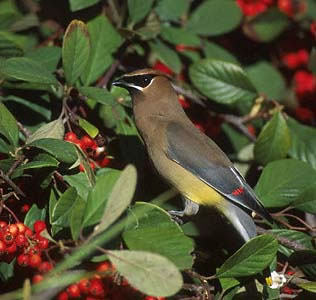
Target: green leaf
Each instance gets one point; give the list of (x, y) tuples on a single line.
[(99, 95), (155, 232), (308, 286), (76, 217), (52, 203), (6, 270), (81, 4), (104, 41), (8, 48), (307, 201), (63, 151), (48, 57), (215, 17), (54, 130), (150, 273), (274, 140), (42, 160), (89, 128), (267, 26), (80, 182), (27, 21), (8, 125), (34, 214), (221, 81), (26, 69), (292, 235), (303, 142), (138, 9), (119, 198), (172, 10), (267, 79), (65, 205), (75, 50), (166, 55), (98, 197), (177, 36), (284, 181), (84, 161), (251, 258), (214, 51)]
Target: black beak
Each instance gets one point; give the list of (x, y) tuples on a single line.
[(119, 82)]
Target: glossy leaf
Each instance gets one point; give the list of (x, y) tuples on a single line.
[(267, 26), (98, 197), (76, 217), (172, 10), (99, 95), (80, 182), (215, 17), (26, 69), (214, 51), (221, 81), (274, 140), (267, 79), (251, 258), (63, 151), (35, 213), (292, 235), (41, 160), (157, 233), (63, 209), (83, 160), (177, 36), (89, 128), (119, 198), (48, 57), (138, 9), (150, 273), (284, 181), (75, 50), (104, 41), (307, 201), (167, 55), (8, 125), (81, 4), (8, 48), (308, 286), (54, 130), (303, 142)]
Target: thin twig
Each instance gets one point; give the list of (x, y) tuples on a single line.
[(105, 79), (11, 183)]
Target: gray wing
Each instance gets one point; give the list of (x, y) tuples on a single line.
[(201, 156)]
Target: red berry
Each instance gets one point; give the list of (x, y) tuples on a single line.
[(25, 208), (105, 266), (96, 288), (28, 232), (184, 102), (8, 237), (104, 162), (71, 137), (35, 260), (34, 250), (12, 248), (21, 240), (45, 267), (3, 224), (21, 227), (63, 296), (37, 278), (74, 291), (14, 229), (81, 168), (39, 226), (87, 142), (84, 285), (304, 114), (162, 67), (23, 260), (3, 247)]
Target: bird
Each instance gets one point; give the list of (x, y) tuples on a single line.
[(185, 157)]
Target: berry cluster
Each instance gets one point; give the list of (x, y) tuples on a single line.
[(96, 154), (254, 7), (18, 240), (103, 285), (293, 60)]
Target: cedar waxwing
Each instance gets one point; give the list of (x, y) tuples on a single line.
[(185, 157)]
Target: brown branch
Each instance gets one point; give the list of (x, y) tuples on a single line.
[(24, 130), (11, 183), (107, 76)]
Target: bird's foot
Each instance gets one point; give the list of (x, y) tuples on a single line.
[(176, 215)]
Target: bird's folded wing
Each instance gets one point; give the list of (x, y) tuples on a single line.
[(198, 154)]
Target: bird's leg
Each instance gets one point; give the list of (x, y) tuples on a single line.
[(190, 208)]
